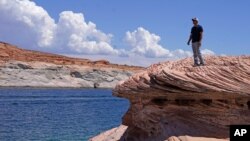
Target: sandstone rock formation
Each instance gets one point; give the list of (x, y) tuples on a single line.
[(111, 135), (9, 52), (19, 67), (115, 134), (173, 100)]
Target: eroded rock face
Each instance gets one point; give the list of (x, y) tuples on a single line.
[(110, 135), (176, 99), (20, 67), (116, 133), (10, 52), (38, 74)]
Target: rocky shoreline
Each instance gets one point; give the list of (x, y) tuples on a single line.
[(116, 134), (26, 68), (39, 74), (174, 101)]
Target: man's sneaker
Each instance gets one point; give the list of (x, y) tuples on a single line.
[(202, 64), (196, 65)]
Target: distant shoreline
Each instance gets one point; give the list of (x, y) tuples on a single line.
[(20, 68)]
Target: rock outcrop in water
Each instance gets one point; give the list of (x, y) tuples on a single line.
[(19, 67), (176, 101)]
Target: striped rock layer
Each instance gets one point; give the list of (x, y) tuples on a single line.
[(176, 99)]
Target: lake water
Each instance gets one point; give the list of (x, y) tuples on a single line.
[(57, 114)]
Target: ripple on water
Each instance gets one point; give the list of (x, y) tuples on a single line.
[(58, 114)]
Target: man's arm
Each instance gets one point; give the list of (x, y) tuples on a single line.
[(201, 33), (190, 38)]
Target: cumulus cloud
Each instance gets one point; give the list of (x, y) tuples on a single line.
[(25, 23), (207, 52), (145, 43), (80, 36), (142, 42), (28, 25), (179, 53)]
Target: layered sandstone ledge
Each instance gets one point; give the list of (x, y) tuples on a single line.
[(10, 52), (26, 68), (40, 74), (173, 100), (115, 134)]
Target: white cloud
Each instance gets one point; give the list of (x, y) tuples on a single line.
[(143, 42), (25, 24), (207, 52), (80, 36), (179, 53)]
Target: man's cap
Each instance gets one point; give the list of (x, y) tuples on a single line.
[(195, 19)]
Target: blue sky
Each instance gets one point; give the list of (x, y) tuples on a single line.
[(226, 23), (131, 29)]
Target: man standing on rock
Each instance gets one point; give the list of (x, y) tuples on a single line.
[(196, 37)]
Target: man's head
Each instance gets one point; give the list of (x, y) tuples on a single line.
[(195, 21)]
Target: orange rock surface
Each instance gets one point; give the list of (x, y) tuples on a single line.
[(176, 99), (9, 52)]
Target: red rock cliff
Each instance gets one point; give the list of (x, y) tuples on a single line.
[(9, 52), (176, 99)]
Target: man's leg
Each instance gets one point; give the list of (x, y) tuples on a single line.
[(195, 53), (199, 54)]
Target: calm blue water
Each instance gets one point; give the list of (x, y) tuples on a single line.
[(57, 114)]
